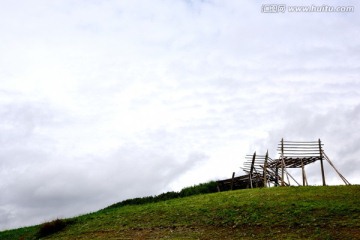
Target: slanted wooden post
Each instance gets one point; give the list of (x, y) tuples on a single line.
[(340, 175), (232, 180), (252, 169), (265, 169), (322, 165)]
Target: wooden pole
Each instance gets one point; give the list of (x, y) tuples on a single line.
[(282, 163), (252, 169), (303, 172), (289, 175), (322, 164), (340, 175), (265, 169), (232, 180)]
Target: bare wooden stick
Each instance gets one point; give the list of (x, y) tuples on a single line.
[(232, 181), (265, 169), (340, 175), (322, 165)]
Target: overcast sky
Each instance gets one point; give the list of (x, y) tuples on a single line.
[(101, 101)]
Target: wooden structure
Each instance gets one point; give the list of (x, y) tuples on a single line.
[(234, 183), (298, 154), (262, 171), (255, 175), (254, 166)]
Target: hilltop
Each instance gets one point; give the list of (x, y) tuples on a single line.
[(329, 212)]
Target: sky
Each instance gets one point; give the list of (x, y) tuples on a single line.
[(102, 101)]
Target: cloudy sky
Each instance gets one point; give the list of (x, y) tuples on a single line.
[(101, 101)]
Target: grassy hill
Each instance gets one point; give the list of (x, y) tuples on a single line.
[(331, 212)]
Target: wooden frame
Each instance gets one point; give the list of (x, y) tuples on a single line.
[(261, 170)]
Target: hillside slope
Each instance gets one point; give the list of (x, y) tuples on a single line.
[(331, 212)]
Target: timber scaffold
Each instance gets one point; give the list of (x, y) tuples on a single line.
[(262, 171)]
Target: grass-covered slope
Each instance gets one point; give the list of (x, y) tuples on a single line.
[(331, 212)]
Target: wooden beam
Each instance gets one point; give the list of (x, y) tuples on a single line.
[(265, 169), (276, 176), (282, 163), (340, 175), (232, 181), (322, 164), (252, 169), (303, 172)]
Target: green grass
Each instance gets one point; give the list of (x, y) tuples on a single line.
[(331, 212)]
